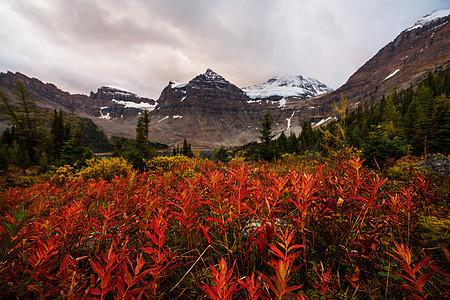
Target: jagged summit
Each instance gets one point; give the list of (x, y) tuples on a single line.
[(435, 15), (209, 78), (287, 86), (211, 75), (212, 80)]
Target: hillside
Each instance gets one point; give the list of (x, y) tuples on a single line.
[(420, 48), (211, 112)]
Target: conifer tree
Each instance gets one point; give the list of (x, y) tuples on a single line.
[(58, 132), (142, 130), (266, 129), (73, 151), (24, 119), (306, 136), (391, 115), (291, 143), (282, 142), (186, 150)]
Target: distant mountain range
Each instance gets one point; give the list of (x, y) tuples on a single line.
[(211, 112)]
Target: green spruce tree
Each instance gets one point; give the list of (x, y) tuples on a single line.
[(266, 129), (142, 130), (58, 132)]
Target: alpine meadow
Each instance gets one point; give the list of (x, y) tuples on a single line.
[(287, 189)]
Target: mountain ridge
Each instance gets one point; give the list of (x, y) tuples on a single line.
[(402, 62), (211, 112)]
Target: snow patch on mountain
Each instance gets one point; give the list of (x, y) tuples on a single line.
[(437, 14), (282, 103), (106, 117), (323, 121), (289, 121), (118, 88), (177, 85), (141, 105), (165, 118), (254, 101), (391, 75), (287, 86)]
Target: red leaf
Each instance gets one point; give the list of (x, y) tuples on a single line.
[(327, 276), (127, 275), (205, 233), (262, 244), (95, 291), (422, 263), (97, 268), (120, 287), (423, 279)]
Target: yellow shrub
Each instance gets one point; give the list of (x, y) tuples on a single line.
[(166, 163), (63, 174), (236, 162), (105, 168)]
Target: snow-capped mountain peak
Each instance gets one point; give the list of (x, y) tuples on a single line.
[(286, 86), (437, 14), (210, 75), (117, 88)]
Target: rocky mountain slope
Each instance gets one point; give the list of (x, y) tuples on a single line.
[(423, 47), (210, 111)]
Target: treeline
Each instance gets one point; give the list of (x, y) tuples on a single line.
[(413, 121), (38, 138)]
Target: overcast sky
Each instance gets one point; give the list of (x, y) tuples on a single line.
[(80, 45)]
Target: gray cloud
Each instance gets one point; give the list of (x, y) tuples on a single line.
[(80, 45)]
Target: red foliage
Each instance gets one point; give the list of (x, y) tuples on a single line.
[(145, 235), (225, 284)]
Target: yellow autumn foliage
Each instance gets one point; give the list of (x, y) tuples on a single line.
[(105, 168), (96, 168)]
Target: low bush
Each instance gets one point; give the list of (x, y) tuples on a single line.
[(192, 229)]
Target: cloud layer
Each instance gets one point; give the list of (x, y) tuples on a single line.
[(80, 44)]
